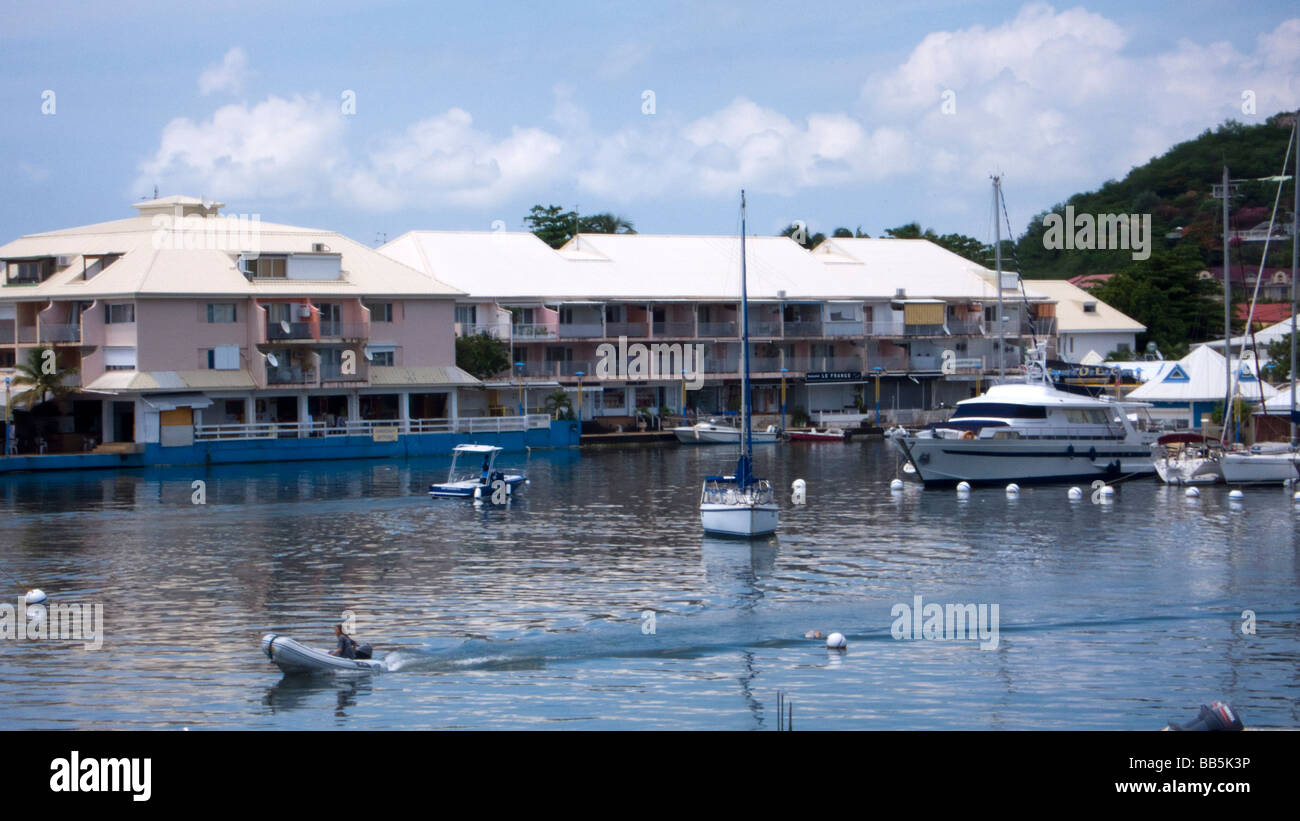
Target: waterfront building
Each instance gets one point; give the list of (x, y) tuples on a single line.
[(1087, 329), (832, 322), (179, 325), (1184, 393)]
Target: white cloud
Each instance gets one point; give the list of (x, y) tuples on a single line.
[(228, 76), (276, 149)]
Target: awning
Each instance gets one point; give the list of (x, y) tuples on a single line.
[(172, 401)]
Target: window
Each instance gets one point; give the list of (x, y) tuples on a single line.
[(120, 313), (92, 264), (1090, 307), (267, 267), (555, 354), (466, 315), (28, 271), (223, 358), (383, 359), (6, 359), (222, 312), (999, 410), (614, 313), (119, 359)]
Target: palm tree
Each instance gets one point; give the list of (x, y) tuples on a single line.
[(606, 224), (41, 381), (559, 406)]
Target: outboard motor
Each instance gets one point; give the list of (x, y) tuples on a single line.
[(1217, 716)]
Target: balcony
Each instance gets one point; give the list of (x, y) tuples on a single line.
[(552, 370), (581, 330), (334, 373), (764, 327), (883, 328), (292, 375), (288, 330), (674, 330), (807, 328), (494, 331), (533, 330), (713, 330), (26, 334), (966, 327), (628, 329), (722, 366), (51, 332), (890, 362), (851, 327), (344, 330)]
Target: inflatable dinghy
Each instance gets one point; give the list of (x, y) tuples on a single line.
[(295, 658)]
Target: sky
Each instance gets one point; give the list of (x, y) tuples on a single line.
[(378, 118)]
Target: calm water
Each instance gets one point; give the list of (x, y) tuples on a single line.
[(1123, 615)]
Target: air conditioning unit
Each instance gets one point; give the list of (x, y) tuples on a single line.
[(900, 293), (63, 261), (304, 312), (318, 248)]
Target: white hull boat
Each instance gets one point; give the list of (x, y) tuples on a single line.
[(943, 461), (1241, 468), (1187, 470), (476, 484), (295, 658), (713, 433), (726, 510)]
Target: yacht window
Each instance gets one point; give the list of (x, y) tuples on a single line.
[(999, 410)]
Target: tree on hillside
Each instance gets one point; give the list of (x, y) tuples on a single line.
[(803, 235), (960, 244), (605, 224), (482, 356), (1279, 351)]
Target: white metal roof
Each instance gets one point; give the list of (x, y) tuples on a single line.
[(1200, 377), (505, 265), (148, 267), (1071, 316)]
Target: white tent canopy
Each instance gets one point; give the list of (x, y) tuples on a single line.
[(1200, 377)]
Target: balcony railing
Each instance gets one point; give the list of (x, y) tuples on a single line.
[(344, 330), (851, 327), (717, 329), (581, 330), (26, 333), (290, 376), (764, 327), (728, 365), (50, 332), (494, 331), (629, 329), (288, 330), (803, 329), (883, 328), (535, 331), (552, 370), (366, 427), (889, 362), (674, 330), (335, 373)]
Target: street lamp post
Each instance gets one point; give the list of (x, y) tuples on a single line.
[(876, 370), (784, 371), (519, 368), (580, 375), (9, 417)]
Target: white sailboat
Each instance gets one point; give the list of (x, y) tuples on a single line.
[(740, 504)]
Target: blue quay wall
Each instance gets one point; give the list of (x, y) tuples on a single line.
[(560, 434)]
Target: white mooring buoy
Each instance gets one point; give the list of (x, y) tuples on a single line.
[(1013, 489), (1106, 492), (963, 488), (798, 492), (1295, 497), (36, 596), (896, 485), (836, 641), (1075, 494), (1236, 495), (1191, 493)]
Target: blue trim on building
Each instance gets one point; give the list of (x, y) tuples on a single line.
[(560, 434)]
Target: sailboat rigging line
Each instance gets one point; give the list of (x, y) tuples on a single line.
[(1020, 273), (1228, 410)]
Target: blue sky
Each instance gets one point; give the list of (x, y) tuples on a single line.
[(830, 113)]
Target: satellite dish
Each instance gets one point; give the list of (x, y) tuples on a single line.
[(272, 361), (284, 325), (370, 355)]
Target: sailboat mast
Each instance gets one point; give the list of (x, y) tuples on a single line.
[(744, 340), (1295, 257), (997, 256), (1227, 312)]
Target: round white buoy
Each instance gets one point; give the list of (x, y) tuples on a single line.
[(1106, 491), (897, 484), (1013, 489), (1191, 493), (35, 612), (1295, 497), (963, 487), (1075, 494), (798, 492), (1236, 495), (836, 641), (36, 596)]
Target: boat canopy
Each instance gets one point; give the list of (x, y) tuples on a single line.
[(477, 449)]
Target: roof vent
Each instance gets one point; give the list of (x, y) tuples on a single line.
[(319, 248), (900, 293)]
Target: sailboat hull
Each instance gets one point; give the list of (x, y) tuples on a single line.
[(1247, 468), (739, 520)]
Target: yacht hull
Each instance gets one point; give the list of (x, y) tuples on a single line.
[(941, 462), (739, 519), (1248, 468), (714, 436)]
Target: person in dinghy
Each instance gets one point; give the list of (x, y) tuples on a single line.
[(348, 648)]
